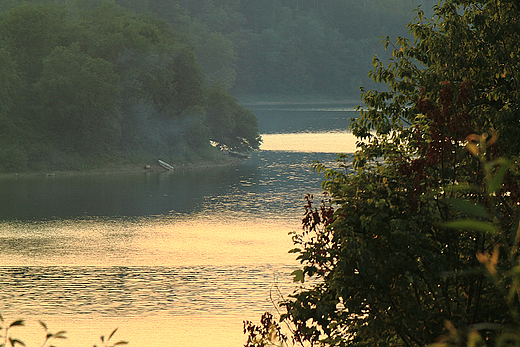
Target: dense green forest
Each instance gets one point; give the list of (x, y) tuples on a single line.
[(93, 82), (288, 48), (275, 48), (127, 79)]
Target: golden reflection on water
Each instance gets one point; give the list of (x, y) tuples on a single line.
[(200, 239), (326, 142), (210, 258), (217, 266), (149, 331)]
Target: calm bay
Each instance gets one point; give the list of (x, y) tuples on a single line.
[(169, 258)]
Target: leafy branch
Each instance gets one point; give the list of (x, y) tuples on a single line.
[(506, 277), (106, 342)]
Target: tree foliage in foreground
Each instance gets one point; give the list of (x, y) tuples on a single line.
[(100, 81), (392, 257)]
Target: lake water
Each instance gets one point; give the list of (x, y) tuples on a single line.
[(168, 258)]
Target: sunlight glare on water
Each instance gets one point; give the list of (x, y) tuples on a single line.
[(149, 331), (326, 142), (154, 278), (148, 241)]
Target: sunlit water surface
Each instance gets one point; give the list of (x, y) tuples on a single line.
[(171, 258)]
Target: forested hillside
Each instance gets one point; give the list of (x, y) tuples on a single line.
[(91, 82), (134, 78), (291, 47)]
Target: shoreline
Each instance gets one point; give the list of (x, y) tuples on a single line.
[(249, 103), (141, 167), (306, 99)]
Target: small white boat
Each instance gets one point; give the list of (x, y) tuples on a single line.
[(238, 154), (165, 165)]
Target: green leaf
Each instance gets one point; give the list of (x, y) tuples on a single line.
[(298, 276), (495, 183), (43, 325), (471, 225), (15, 341), (508, 338), (17, 323), (60, 335), (112, 334), (468, 208), (459, 188)]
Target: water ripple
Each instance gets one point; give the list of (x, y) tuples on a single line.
[(134, 291)]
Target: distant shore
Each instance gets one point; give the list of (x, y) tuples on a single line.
[(253, 100)]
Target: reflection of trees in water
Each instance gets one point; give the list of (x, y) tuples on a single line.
[(33, 247), (267, 181)]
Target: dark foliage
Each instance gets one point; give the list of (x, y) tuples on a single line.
[(423, 238), (100, 81)]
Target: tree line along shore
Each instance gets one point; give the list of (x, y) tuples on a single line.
[(82, 88)]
